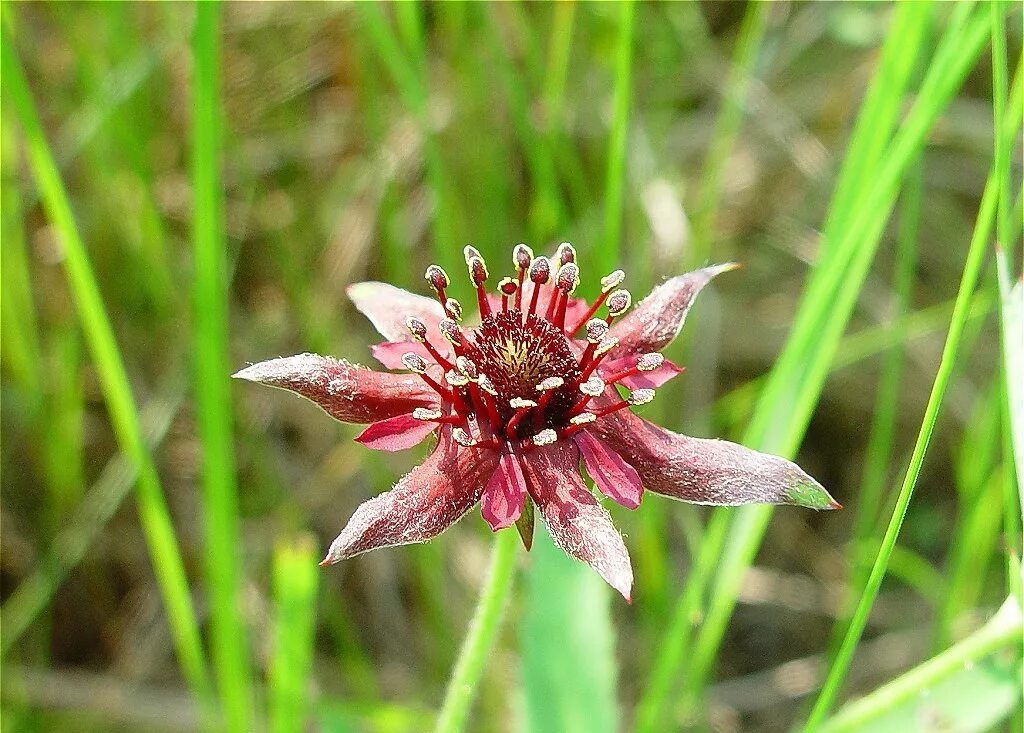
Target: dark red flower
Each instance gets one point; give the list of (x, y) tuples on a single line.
[(518, 400)]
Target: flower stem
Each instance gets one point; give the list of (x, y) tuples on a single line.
[(481, 636)]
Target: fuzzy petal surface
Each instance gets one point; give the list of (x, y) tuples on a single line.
[(347, 392), (387, 307), (423, 504), (657, 319), (578, 524), (396, 433), (505, 494), (614, 477), (704, 471)]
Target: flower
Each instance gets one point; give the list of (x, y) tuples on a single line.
[(518, 401)]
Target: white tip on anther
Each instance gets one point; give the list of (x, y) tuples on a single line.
[(547, 436), (640, 396), (450, 330), (522, 256), (417, 328), (518, 403), (540, 270), (597, 328), (437, 277), (487, 385), (650, 362), (469, 252), (583, 418), (414, 363), (619, 302), (593, 387), (612, 280), (463, 438), (550, 383), (453, 308), (565, 254), (455, 379), (466, 367), (606, 345), (426, 414)]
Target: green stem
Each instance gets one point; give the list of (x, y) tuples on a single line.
[(480, 639), (1002, 630)]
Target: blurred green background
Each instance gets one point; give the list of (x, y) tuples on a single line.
[(228, 178)]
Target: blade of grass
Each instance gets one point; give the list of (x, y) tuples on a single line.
[(482, 635), (154, 514), (727, 127), (606, 258), (1002, 631), (223, 546), (789, 400), (972, 268), (295, 579)]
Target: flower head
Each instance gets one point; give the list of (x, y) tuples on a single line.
[(544, 381)]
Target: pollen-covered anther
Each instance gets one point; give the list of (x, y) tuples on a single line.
[(477, 271), (522, 256), (487, 385), (508, 286), (469, 252), (568, 277), (426, 414), (565, 254), (619, 302), (612, 280), (417, 328), (547, 436), (467, 368), (540, 270), (640, 396), (451, 331), (597, 329), (551, 383), (584, 418), (456, 379), (414, 363), (460, 436), (650, 362), (453, 308), (437, 277), (518, 403), (605, 346), (593, 387)]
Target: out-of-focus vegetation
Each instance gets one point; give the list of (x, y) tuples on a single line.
[(187, 189)]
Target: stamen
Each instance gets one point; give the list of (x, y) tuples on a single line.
[(417, 328), (584, 418), (455, 379), (467, 368), (545, 437), (414, 363), (551, 383), (650, 362), (618, 303), (540, 272), (593, 387), (640, 396), (606, 345), (453, 308), (487, 385), (547, 388), (608, 283), (463, 438), (612, 281), (521, 407), (508, 287), (565, 254), (518, 403), (469, 252), (522, 256), (438, 279), (596, 330), (451, 331), (426, 414)]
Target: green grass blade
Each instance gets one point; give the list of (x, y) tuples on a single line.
[(727, 127), (482, 635), (567, 645), (222, 543), (606, 258), (975, 701), (972, 269), (154, 514), (295, 579)]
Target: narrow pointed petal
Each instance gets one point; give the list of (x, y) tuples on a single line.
[(614, 477), (578, 524), (643, 380), (390, 353), (396, 433), (347, 392), (423, 504), (504, 496), (387, 307), (657, 319), (706, 471)]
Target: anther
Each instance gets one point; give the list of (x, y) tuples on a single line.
[(619, 302), (451, 331), (640, 396), (550, 383), (605, 346), (467, 368), (547, 436), (414, 363), (469, 252), (508, 286), (540, 270), (477, 271), (456, 379), (583, 418), (426, 414), (453, 308), (596, 330), (612, 280), (487, 385), (650, 362), (518, 403), (463, 438), (568, 278), (417, 328), (522, 256), (593, 387), (437, 277), (565, 253)]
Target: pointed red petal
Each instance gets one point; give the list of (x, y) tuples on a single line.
[(396, 433), (503, 498), (577, 523), (423, 504), (387, 307), (642, 380), (656, 320), (614, 477), (706, 471), (346, 392)]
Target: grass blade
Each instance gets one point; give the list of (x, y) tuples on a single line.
[(213, 401), (154, 514)]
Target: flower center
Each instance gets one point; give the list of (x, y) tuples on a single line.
[(517, 356)]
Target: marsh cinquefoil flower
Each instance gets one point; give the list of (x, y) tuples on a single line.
[(518, 400)]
